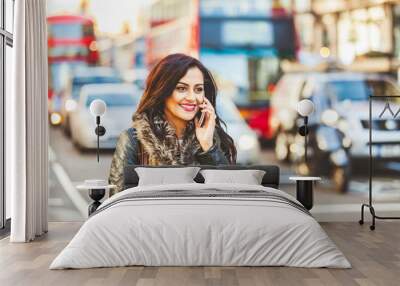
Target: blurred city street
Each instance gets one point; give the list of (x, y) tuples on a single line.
[(341, 57)]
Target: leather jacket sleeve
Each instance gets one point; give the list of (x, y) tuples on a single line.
[(213, 156), (124, 154)]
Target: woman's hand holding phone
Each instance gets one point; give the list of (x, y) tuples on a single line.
[(205, 124)]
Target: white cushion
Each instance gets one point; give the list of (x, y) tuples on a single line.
[(248, 177), (162, 176)]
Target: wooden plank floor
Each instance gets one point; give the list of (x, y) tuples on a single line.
[(375, 257)]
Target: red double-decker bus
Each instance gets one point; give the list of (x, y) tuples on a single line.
[(71, 41)]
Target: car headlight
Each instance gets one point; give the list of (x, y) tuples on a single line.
[(55, 118), (70, 105), (247, 142), (346, 142), (390, 124), (329, 117)]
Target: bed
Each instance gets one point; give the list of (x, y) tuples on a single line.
[(198, 224)]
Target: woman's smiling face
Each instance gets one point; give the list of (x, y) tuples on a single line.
[(184, 101)]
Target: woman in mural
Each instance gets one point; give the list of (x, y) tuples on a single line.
[(176, 122)]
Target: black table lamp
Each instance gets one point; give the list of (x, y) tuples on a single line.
[(97, 108), (305, 108)]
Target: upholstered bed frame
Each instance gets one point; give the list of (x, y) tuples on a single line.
[(270, 179), (201, 225)]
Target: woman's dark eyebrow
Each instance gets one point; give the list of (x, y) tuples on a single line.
[(179, 82)]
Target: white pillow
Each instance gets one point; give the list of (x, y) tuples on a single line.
[(248, 177), (162, 176)]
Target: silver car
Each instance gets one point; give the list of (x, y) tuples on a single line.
[(121, 101), (79, 78), (341, 100), (245, 139), (339, 125)]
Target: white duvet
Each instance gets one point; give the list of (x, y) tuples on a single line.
[(190, 230)]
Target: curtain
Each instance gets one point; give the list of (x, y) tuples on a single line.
[(27, 123)]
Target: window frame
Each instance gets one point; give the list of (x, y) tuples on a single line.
[(6, 39)]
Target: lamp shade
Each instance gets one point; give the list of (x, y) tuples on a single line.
[(98, 107), (305, 107)]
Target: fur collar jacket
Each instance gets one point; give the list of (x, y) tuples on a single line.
[(144, 145), (161, 144)]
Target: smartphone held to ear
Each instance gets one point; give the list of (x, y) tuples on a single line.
[(201, 116)]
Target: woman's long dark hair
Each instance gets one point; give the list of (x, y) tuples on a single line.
[(162, 81)]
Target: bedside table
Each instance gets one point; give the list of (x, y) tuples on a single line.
[(97, 190), (304, 190)]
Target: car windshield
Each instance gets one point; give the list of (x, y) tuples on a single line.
[(78, 82), (227, 111), (115, 100), (360, 90), (59, 73)]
